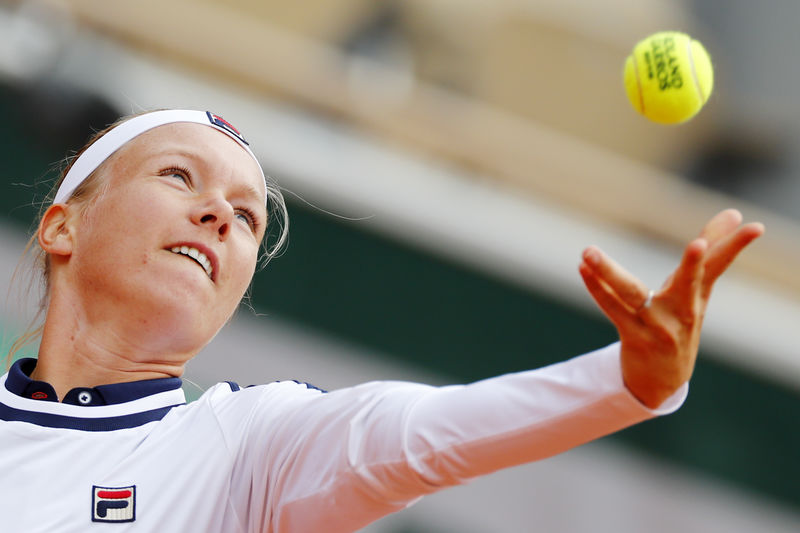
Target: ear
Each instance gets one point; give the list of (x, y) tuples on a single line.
[(54, 235)]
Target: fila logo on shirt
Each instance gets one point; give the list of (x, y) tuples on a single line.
[(113, 504)]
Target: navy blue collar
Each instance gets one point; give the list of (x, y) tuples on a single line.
[(20, 383)]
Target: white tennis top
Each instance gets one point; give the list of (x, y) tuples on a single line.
[(283, 457)]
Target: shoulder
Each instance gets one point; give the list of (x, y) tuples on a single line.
[(229, 394), (235, 387), (254, 412)]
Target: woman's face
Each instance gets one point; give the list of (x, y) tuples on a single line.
[(177, 189)]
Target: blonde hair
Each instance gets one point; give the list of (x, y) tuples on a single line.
[(84, 194)]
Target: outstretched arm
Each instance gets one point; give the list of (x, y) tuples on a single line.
[(302, 456), (660, 335)]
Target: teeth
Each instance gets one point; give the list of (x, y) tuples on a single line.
[(206, 262), (197, 255)]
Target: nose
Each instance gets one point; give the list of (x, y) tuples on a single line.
[(215, 214)]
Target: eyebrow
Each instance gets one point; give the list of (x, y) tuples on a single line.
[(251, 192)]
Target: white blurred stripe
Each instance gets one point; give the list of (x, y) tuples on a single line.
[(441, 209)]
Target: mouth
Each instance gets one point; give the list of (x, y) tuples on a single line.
[(201, 255)]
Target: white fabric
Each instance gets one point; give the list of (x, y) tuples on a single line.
[(116, 138), (286, 458)]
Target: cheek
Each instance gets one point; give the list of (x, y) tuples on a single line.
[(113, 231), (124, 206), (243, 270)]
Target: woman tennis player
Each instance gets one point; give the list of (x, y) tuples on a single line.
[(150, 243)]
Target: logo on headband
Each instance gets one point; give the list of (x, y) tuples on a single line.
[(225, 125)]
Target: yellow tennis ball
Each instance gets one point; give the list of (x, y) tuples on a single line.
[(668, 77)]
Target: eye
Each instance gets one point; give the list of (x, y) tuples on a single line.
[(178, 172), (248, 216)]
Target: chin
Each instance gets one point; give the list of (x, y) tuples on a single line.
[(180, 340), (180, 325)]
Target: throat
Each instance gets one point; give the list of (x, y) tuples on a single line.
[(65, 372)]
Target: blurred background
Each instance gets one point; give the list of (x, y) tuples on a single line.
[(445, 162)]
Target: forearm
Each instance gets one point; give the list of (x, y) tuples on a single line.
[(405, 440), (457, 433)]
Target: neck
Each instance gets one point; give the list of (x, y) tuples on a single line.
[(65, 373), (74, 352)]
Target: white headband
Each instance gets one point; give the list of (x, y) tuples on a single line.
[(114, 139)]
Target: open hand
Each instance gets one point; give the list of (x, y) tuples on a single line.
[(660, 332)]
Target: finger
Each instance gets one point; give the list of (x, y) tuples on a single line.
[(724, 253), (606, 300), (625, 285), (687, 280), (721, 225)]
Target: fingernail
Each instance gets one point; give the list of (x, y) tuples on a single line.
[(592, 256)]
